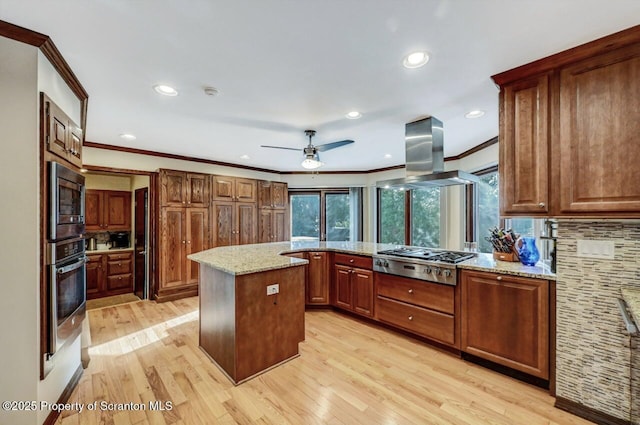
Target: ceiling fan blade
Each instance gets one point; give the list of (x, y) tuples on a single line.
[(333, 145), (281, 147)]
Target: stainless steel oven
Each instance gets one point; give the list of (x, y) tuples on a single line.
[(66, 202), (67, 291)]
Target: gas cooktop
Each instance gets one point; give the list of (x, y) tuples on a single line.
[(451, 257)]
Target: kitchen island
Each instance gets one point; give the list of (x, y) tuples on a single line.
[(252, 300)]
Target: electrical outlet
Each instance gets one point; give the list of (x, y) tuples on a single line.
[(596, 249), (273, 289)]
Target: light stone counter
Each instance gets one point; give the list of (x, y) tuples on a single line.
[(485, 262), (632, 297), (245, 259)]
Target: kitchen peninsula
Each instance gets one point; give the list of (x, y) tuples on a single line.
[(252, 299)]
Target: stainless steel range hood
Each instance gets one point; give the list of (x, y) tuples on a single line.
[(425, 159)]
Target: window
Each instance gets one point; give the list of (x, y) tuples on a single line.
[(483, 212), (410, 217), (326, 215)]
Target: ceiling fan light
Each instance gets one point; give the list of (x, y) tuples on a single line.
[(310, 163)]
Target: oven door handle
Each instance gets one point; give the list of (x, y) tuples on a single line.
[(71, 267), (628, 321)]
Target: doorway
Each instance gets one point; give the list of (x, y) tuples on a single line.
[(140, 242)]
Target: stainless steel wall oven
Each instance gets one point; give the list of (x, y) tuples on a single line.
[(66, 202)]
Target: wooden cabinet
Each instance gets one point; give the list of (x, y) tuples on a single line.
[(506, 319), (184, 189), (183, 232), (109, 274), (317, 292), (235, 189), (63, 137), (273, 225), (233, 223), (107, 210), (272, 195), (424, 308), (354, 285), (568, 132)]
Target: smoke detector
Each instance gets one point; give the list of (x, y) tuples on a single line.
[(211, 91)]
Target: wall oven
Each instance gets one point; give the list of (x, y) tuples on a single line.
[(66, 202), (67, 291)]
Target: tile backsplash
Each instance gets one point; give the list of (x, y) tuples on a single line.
[(593, 355)]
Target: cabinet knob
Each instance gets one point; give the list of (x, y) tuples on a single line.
[(184, 242), (410, 291), (410, 317), (184, 202), (119, 264), (188, 203), (189, 242), (120, 278), (541, 205), (499, 278), (351, 260)]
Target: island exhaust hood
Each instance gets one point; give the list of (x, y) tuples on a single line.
[(425, 159)]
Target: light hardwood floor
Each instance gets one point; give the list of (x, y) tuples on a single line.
[(348, 373)]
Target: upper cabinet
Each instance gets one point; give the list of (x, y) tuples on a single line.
[(272, 195), (183, 189), (569, 128), (107, 210), (63, 137), (233, 189)]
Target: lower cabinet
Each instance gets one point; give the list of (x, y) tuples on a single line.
[(354, 285), (424, 308), (506, 319), (317, 288), (109, 274)]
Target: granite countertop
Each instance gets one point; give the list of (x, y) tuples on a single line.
[(108, 251), (485, 262), (245, 259), (632, 297)]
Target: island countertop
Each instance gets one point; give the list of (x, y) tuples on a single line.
[(254, 258)]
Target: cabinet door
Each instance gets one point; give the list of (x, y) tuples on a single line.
[(74, 141), (173, 252), (197, 190), (362, 283), (524, 147), (117, 210), (505, 319), (197, 239), (264, 194), (318, 278), (279, 195), (57, 132), (93, 210), (222, 226), (280, 226), (246, 216), (223, 188), (599, 127), (265, 225), (343, 286), (173, 188), (246, 190), (95, 279)]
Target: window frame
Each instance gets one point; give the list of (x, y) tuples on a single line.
[(471, 206)]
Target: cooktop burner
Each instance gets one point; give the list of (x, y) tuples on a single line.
[(451, 257)]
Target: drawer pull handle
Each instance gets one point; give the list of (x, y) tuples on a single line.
[(411, 291), (410, 317)]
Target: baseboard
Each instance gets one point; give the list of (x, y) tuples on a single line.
[(505, 370), (176, 294), (588, 413), (64, 397)]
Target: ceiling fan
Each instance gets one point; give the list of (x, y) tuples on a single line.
[(311, 158)]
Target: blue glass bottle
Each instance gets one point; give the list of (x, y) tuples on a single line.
[(528, 252)]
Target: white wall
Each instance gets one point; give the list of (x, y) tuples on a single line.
[(19, 227), (66, 361), (103, 182)]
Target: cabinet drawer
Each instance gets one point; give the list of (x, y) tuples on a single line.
[(421, 321), (121, 281), (119, 267), (424, 294), (353, 260), (121, 256)]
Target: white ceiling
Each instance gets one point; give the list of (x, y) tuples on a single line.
[(283, 66)]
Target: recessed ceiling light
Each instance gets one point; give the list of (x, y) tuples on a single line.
[(354, 115), (415, 59), (127, 136), (165, 90), (244, 157), (387, 155), (474, 114)]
